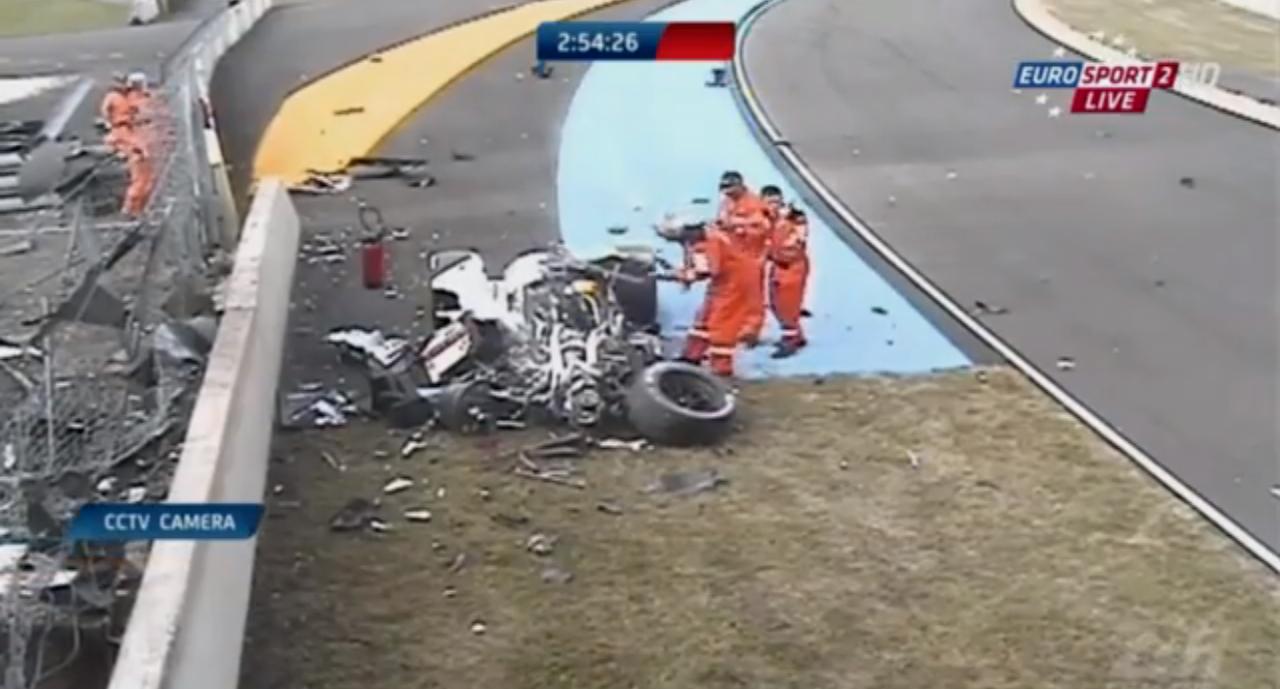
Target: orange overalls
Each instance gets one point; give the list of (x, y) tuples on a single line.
[(141, 179), (750, 219), (789, 252), (118, 112), (714, 336)]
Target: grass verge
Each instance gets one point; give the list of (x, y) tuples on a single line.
[(1016, 550), (37, 17)]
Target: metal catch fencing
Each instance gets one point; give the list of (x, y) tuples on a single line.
[(91, 394)]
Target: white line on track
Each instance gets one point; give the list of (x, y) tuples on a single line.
[(757, 116)]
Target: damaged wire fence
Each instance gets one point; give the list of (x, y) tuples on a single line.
[(100, 352)]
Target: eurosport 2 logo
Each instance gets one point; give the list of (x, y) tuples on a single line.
[(1113, 88)]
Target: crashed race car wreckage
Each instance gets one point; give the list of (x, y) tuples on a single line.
[(554, 340)]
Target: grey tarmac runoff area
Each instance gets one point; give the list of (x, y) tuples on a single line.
[(1144, 248)]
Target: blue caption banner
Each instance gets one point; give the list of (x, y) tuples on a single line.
[(102, 521), (573, 41)]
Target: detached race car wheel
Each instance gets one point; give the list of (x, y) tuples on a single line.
[(674, 403)]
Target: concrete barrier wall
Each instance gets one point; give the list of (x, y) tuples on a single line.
[(187, 626)]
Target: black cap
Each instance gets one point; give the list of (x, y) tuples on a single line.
[(770, 190), (730, 178)]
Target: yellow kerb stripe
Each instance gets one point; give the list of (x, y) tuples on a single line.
[(347, 113)]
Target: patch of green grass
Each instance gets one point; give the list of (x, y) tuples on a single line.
[(36, 17)]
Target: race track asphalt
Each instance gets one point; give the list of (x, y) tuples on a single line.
[(1143, 248)]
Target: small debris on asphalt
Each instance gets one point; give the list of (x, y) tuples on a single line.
[(479, 628), (549, 477), (981, 308), (418, 515), (1275, 492), (400, 234), (357, 513), (982, 376), (440, 493), (330, 409), (457, 564), (556, 575), (277, 489), (618, 229), (380, 526), (412, 447), (450, 592), (879, 310), (107, 485), (951, 174), (620, 444), (540, 544), (349, 111), (461, 157), (397, 485), (365, 344), (691, 482), (485, 494), (510, 521), (1188, 182), (609, 507), (914, 459), (510, 425), (333, 462), (844, 465), (135, 494), (1159, 283), (1066, 363)]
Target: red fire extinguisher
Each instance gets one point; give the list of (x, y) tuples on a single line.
[(373, 250)]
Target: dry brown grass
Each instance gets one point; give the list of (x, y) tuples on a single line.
[(1019, 553), (1195, 30)]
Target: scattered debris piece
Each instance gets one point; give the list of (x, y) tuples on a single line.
[(333, 462), (1275, 491), (413, 446), (420, 516), (317, 184), (106, 485), (981, 308), (479, 628), (460, 157), (317, 409), (485, 494), (136, 494), (551, 478), (1159, 283), (400, 234), (11, 350), (1188, 182), (380, 526), (618, 229), (952, 174), (367, 345), (398, 484), (844, 465), (17, 248), (541, 544), (879, 310), (1066, 363), (457, 564), (691, 482), (356, 514), (450, 592), (609, 507), (556, 575), (356, 110), (510, 521), (619, 444), (914, 459)]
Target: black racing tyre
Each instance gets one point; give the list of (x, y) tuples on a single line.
[(674, 403), (637, 299)]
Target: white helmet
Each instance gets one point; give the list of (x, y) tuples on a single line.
[(137, 79)]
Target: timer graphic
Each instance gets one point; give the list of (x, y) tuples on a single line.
[(638, 41)]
